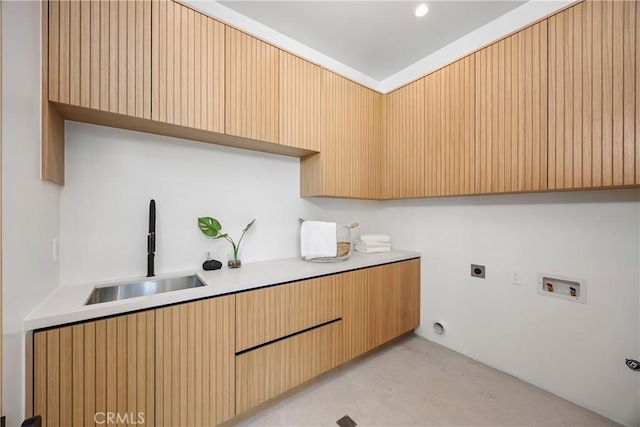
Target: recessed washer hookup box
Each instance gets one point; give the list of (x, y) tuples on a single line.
[(567, 288)]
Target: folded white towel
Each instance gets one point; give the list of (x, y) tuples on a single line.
[(371, 244), (382, 238), (318, 239), (367, 250)]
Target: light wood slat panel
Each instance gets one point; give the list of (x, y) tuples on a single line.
[(449, 114), (53, 49), (251, 107), (52, 123), (300, 102), (395, 300), (86, 370), (511, 117), (593, 96), (189, 67), (404, 142), (268, 371), (100, 55), (195, 362), (356, 294), (40, 362), (263, 315), (350, 162), (85, 40)]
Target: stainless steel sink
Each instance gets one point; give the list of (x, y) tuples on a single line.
[(140, 289)]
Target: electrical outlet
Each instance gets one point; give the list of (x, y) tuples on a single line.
[(516, 278)]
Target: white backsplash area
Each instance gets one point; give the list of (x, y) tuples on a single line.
[(112, 174)]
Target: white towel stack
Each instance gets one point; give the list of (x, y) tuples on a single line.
[(373, 243)]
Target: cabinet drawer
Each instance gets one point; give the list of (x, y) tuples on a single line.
[(268, 371), (267, 314)]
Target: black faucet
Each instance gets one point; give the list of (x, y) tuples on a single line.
[(151, 239)]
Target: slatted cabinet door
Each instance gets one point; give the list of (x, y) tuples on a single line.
[(195, 363), (299, 88), (350, 162), (100, 55), (449, 117), (380, 303), (88, 372), (395, 300), (511, 113), (270, 313), (403, 157), (594, 95), (252, 97), (357, 330), (268, 371), (188, 67)]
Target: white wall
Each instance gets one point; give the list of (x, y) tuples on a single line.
[(112, 174), (576, 351), (30, 208)]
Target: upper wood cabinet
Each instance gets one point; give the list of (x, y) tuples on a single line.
[(195, 363), (511, 113), (594, 95), (188, 67), (83, 371), (403, 149), (299, 89), (252, 77), (449, 116), (99, 55), (349, 163)]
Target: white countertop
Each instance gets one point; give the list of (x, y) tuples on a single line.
[(66, 303)]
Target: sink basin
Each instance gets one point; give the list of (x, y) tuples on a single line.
[(140, 289)]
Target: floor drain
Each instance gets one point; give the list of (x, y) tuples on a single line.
[(346, 421)]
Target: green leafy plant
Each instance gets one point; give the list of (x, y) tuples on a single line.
[(211, 227)]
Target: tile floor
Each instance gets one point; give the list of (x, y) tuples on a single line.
[(416, 382)]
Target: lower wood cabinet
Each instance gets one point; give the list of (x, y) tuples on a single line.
[(380, 303), (266, 314), (268, 371), (195, 363), (183, 364), (91, 373)]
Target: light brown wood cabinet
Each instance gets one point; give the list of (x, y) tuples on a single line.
[(300, 101), (403, 148), (274, 312), (449, 117), (207, 361), (269, 371), (511, 113), (380, 303), (349, 163), (195, 362), (188, 67), (252, 98), (82, 373), (594, 95), (99, 55)]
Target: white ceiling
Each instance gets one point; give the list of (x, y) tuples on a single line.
[(377, 38)]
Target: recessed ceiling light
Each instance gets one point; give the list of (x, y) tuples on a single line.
[(422, 10)]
